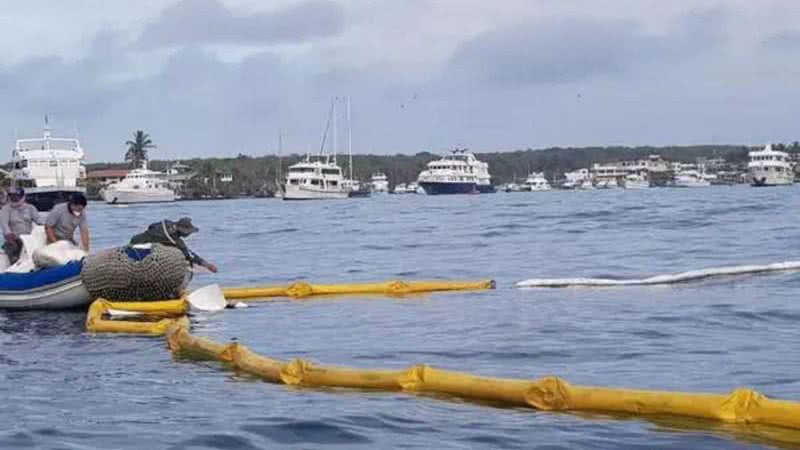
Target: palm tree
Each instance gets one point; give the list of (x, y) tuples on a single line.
[(137, 148)]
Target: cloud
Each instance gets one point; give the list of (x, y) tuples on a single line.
[(573, 49), (786, 40), (196, 22)]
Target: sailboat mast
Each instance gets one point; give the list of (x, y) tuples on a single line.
[(335, 139), (280, 158), (349, 138)]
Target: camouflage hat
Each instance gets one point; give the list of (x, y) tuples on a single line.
[(185, 225)]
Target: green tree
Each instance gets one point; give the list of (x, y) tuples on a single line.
[(138, 147)]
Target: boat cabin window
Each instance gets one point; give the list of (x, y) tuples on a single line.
[(295, 182), (333, 183), (330, 171), (315, 182)]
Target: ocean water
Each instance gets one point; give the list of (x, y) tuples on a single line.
[(65, 389)]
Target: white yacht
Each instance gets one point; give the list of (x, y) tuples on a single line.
[(400, 188), (48, 168), (317, 178), (607, 183), (379, 183), (636, 181), (691, 178), (769, 167), (535, 182), (140, 185), (457, 173), (577, 179)]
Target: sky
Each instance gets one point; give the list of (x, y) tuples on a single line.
[(222, 77)]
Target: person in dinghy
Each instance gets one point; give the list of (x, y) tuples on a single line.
[(65, 218), (17, 218), (172, 233)]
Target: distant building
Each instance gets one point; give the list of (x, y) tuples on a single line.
[(107, 176), (226, 177), (178, 174), (653, 167)]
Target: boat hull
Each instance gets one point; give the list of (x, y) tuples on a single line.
[(637, 185), (293, 192), (448, 188), (127, 197), (44, 199), (359, 193), (52, 288), (692, 183), (762, 178)]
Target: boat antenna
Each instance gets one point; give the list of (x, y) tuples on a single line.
[(46, 133), (349, 138)]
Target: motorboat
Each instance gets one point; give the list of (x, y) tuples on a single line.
[(536, 182), (691, 179), (379, 183), (636, 181)]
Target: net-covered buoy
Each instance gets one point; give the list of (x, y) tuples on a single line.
[(131, 274)]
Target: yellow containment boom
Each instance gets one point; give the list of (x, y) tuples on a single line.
[(172, 312), (302, 289), (742, 406)]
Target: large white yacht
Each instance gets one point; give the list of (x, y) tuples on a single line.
[(140, 185), (535, 182), (769, 167), (379, 183), (48, 168), (457, 173), (319, 177), (316, 178)]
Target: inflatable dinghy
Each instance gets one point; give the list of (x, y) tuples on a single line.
[(51, 288)]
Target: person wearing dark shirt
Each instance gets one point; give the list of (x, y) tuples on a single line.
[(172, 234)]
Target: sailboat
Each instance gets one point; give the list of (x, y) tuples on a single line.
[(318, 177), (279, 186), (354, 187)]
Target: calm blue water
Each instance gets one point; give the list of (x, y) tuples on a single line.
[(63, 388)]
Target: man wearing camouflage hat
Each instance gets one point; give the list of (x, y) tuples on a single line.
[(172, 233), (17, 218)]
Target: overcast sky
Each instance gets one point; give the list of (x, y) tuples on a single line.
[(219, 77)]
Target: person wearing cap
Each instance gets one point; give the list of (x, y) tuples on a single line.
[(65, 218), (172, 233), (17, 218)]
